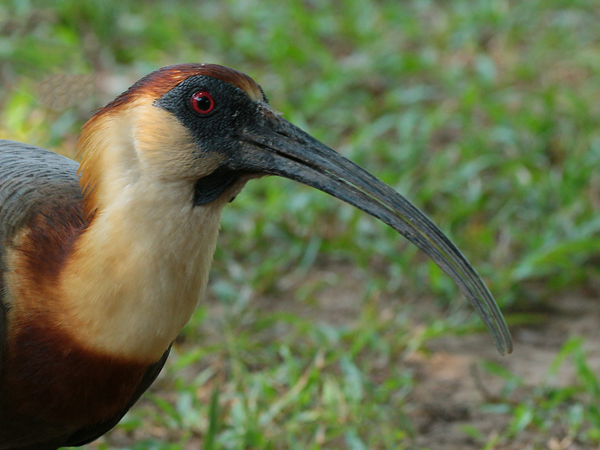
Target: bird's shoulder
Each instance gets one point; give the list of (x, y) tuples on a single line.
[(31, 176), (32, 180)]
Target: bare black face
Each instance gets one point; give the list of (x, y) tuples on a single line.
[(251, 138), (213, 111)]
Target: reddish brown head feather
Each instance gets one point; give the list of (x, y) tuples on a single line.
[(161, 81)]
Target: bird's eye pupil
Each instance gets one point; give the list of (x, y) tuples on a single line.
[(202, 102)]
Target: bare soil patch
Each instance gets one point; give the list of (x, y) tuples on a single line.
[(451, 388)]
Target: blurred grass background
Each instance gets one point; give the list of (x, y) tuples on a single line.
[(483, 113)]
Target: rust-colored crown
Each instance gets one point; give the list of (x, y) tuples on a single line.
[(161, 81)]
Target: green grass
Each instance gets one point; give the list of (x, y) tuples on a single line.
[(570, 411), (483, 113)]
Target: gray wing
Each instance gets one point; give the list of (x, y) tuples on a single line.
[(29, 178)]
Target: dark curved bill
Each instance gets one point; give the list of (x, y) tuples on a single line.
[(277, 147)]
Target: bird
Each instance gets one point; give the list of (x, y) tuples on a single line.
[(102, 263)]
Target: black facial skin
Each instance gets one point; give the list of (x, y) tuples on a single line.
[(211, 187), (214, 132)]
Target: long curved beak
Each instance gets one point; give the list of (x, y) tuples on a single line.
[(276, 147)]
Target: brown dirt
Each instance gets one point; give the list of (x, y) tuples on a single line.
[(451, 387)]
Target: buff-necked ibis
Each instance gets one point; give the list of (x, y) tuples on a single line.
[(103, 263)]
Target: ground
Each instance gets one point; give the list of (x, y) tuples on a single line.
[(451, 388), (458, 397)]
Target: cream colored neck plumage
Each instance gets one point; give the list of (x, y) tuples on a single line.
[(138, 271)]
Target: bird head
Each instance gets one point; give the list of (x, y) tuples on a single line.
[(204, 130)]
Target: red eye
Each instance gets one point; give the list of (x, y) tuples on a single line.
[(202, 102)]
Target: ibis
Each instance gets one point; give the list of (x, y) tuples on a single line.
[(102, 263)]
